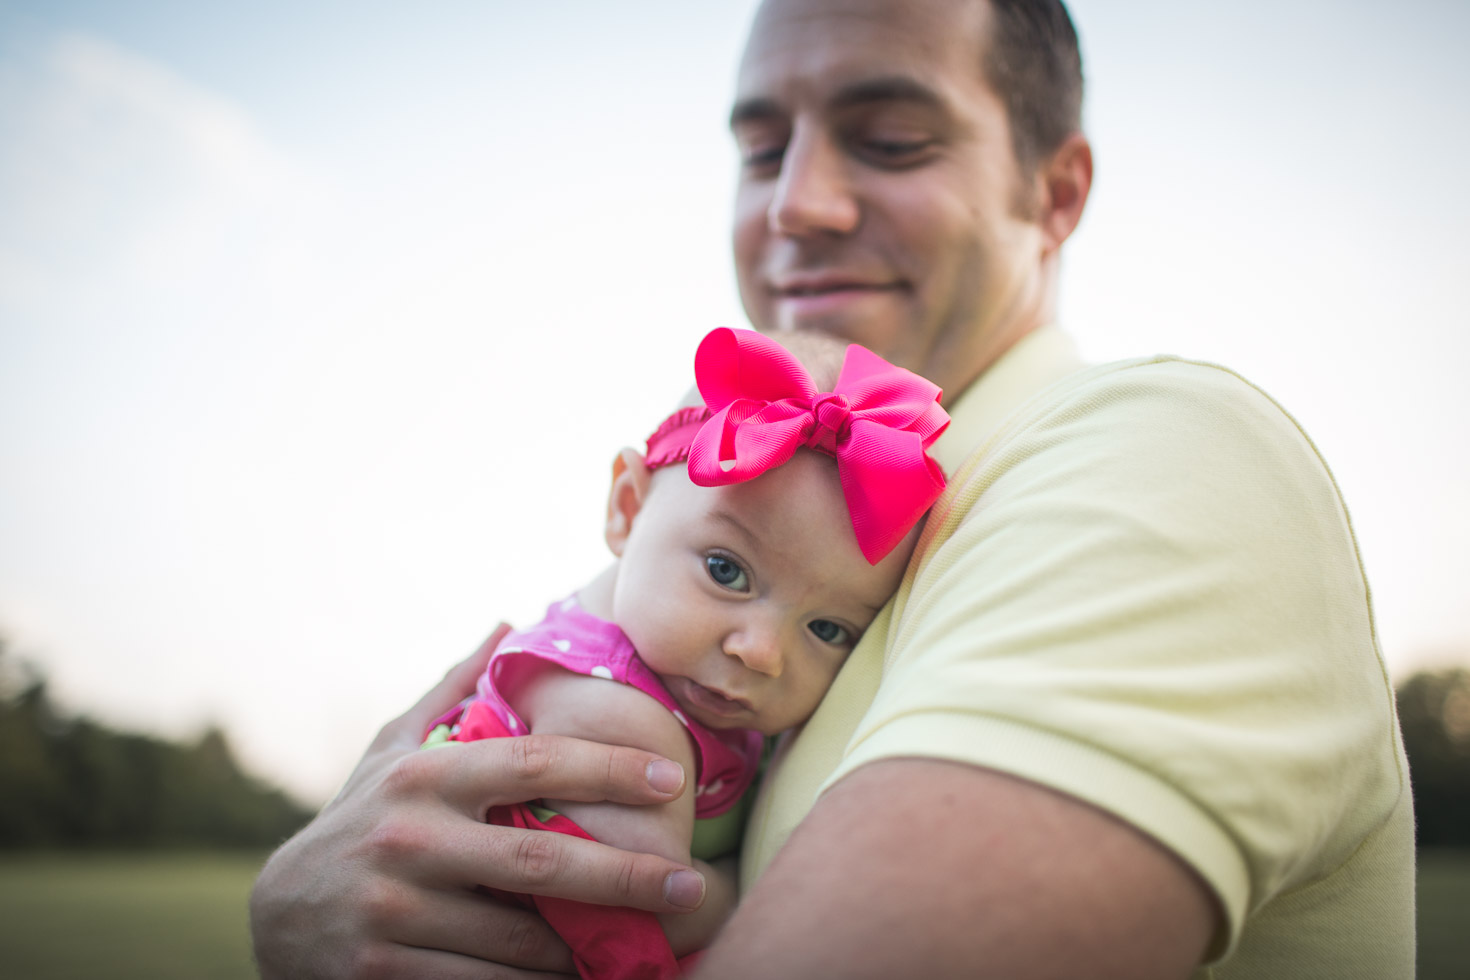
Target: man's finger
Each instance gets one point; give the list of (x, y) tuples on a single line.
[(457, 684), (411, 961), (477, 926), (542, 863), (478, 775)]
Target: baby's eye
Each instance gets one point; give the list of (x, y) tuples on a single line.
[(829, 632), (726, 573)]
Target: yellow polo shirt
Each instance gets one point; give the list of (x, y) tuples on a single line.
[(1141, 589)]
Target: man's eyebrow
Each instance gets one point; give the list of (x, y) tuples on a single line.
[(885, 88), (754, 110)]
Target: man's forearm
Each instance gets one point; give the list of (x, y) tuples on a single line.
[(924, 868)]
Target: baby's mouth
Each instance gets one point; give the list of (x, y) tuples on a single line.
[(713, 701)]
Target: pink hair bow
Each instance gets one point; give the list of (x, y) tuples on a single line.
[(877, 421)]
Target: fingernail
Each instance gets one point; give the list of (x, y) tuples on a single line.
[(665, 776), (684, 889)]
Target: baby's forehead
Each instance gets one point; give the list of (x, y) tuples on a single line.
[(793, 520)]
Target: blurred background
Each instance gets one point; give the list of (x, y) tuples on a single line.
[(320, 325)]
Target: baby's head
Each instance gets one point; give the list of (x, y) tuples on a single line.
[(747, 597)]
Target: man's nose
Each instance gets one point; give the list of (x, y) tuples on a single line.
[(813, 193), (757, 644)]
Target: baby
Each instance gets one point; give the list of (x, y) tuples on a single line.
[(755, 541)]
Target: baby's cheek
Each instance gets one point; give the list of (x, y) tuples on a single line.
[(809, 690), (658, 632), (680, 637)]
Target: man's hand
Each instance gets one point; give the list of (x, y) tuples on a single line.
[(384, 881)]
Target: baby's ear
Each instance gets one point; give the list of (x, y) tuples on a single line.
[(630, 480)]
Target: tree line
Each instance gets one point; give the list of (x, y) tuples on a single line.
[(70, 782), (1434, 714)]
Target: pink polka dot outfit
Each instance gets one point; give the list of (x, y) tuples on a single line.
[(607, 943), (570, 637)]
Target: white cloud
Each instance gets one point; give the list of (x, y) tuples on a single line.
[(116, 169)]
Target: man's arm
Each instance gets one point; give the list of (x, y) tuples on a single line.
[(912, 867), (383, 881)]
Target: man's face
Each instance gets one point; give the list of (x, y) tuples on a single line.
[(879, 198), (746, 599)]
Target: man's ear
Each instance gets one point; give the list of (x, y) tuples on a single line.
[(1066, 180), (630, 480)]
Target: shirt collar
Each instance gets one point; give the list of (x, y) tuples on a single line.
[(1043, 356)]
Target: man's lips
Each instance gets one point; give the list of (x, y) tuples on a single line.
[(802, 297), (799, 287)]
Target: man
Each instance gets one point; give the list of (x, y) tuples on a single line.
[(1126, 715)]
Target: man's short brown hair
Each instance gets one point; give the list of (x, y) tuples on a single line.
[(1035, 64)]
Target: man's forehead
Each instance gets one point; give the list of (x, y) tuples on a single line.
[(785, 15), (822, 47)]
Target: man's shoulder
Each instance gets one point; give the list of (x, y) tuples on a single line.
[(1172, 410), (1182, 455), (1149, 384)]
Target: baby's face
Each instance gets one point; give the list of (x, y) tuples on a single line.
[(747, 599)]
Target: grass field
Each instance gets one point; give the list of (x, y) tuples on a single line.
[(126, 916), (182, 917), (1444, 915)]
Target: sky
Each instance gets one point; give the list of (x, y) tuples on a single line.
[(321, 324)]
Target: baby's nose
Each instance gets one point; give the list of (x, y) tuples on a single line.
[(758, 647)]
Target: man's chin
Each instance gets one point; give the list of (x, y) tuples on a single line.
[(868, 332)]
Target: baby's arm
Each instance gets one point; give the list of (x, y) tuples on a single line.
[(558, 702)]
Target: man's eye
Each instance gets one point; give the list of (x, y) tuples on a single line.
[(828, 631), (761, 144), (726, 573), (762, 159), (897, 153)]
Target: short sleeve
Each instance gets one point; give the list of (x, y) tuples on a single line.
[(1143, 591)]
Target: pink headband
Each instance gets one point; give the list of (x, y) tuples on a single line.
[(877, 421)]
